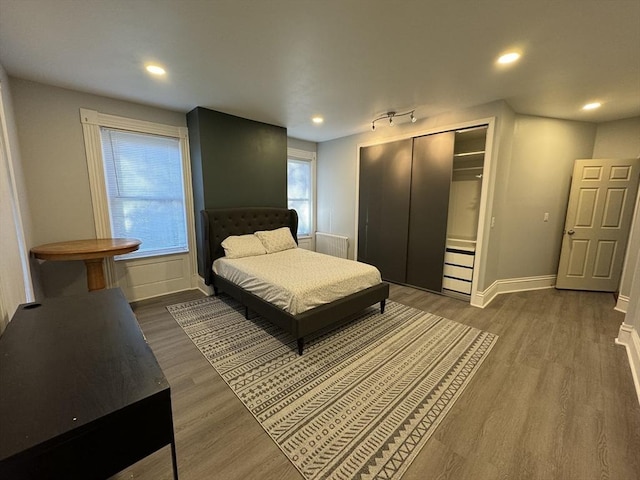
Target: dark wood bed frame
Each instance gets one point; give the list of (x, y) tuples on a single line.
[(218, 224)]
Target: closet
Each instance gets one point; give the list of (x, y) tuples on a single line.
[(418, 209), (464, 211)]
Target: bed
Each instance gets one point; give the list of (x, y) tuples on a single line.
[(218, 224)]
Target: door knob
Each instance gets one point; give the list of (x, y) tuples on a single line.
[(571, 232)]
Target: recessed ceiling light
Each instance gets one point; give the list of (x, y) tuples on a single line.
[(317, 119), (509, 57), (155, 69), (592, 106)]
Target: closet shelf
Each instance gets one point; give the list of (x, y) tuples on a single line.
[(466, 156), (461, 244), (462, 169), (469, 154)]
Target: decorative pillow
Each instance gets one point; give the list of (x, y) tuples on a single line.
[(276, 240), (238, 246)]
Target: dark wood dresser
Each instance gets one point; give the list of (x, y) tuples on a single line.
[(81, 394)]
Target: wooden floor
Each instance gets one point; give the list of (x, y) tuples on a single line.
[(554, 399)]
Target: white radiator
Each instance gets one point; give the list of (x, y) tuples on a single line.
[(331, 244)]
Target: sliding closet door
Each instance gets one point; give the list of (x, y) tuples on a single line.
[(383, 212), (430, 185)]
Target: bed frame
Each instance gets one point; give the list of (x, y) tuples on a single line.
[(218, 224)]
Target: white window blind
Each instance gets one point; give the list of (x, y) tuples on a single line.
[(144, 183), (300, 193)]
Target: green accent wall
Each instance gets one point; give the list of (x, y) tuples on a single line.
[(235, 162)]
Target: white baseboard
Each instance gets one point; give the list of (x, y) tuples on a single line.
[(203, 287), (511, 285), (623, 304), (628, 336)]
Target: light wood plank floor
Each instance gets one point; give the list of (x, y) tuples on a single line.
[(554, 399)]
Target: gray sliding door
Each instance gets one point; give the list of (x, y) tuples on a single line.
[(430, 185), (383, 212)]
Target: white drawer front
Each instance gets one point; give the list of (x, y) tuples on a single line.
[(456, 285), (458, 259), (458, 272)]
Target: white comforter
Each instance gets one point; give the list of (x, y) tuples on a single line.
[(297, 280)]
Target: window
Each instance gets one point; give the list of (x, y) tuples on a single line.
[(145, 194), (139, 175), (300, 189)]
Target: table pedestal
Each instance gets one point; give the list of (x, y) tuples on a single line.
[(95, 274)]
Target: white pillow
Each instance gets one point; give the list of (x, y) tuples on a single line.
[(238, 246), (276, 240)]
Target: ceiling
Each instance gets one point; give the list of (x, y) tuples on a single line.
[(284, 61)]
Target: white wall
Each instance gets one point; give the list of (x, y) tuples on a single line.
[(15, 222), (618, 139), (543, 154), (629, 335), (302, 145), (633, 269), (336, 188), (55, 168), (497, 206)]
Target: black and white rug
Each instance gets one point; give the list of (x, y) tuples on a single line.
[(362, 400)]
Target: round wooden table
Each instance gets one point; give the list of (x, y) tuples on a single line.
[(92, 251)]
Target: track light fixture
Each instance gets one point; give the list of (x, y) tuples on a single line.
[(391, 116)]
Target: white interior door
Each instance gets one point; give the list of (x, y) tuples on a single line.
[(601, 202)]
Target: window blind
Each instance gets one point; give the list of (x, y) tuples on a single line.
[(299, 192), (144, 181)]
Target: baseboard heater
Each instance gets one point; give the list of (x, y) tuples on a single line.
[(331, 244)]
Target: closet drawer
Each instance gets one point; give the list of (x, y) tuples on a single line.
[(462, 259), (461, 286), (458, 272)]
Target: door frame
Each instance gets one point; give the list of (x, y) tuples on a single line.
[(488, 187)]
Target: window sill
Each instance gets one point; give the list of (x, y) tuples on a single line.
[(144, 255)]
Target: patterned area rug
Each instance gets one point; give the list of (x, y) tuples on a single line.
[(362, 400)]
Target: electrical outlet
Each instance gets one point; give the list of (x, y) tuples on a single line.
[(493, 222), (546, 217)]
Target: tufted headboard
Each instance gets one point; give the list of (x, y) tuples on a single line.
[(218, 224)]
